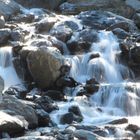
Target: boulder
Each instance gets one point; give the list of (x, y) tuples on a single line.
[(4, 35), (119, 121), (8, 8), (137, 19), (67, 118), (134, 4), (11, 124), (137, 136), (16, 107), (2, 22), (1, 85), (132, 127), (44, 64), (61, 32)]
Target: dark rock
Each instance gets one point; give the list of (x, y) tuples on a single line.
[(137, 136), (67, 118), (91, 86), (132, 127), (1, 84), (119, 121), (2, 22), (43, 118), (46, 103), (61, 32), (18, 92), (11, 124), (72, 25), (54, 94), (45, 25), (4, 35), (16, 107), (75, 110), (82, 41)]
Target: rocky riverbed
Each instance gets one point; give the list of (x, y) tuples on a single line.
[(69, 69)]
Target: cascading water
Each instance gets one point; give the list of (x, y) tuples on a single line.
[(116, 97), (7, 71)]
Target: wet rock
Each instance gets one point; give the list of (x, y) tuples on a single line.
[(43, 118), (135, 54), (134, 4), (11, 124), (97, 20), (45, 25), (91, 86), (54, 94), (76, 111), (46, 103), (132, 127), (8, 8), (2, 22), (119, 121), (33, 133), (120, 33), (16, 107), (67, 118), (4, 35), (44, 65)]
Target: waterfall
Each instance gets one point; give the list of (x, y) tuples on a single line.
[(110, 73), (7, 71)]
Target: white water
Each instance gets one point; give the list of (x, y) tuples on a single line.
[(116, 97), (7, 71)]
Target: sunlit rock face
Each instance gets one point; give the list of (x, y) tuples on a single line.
[(44, 65), (8, 8)]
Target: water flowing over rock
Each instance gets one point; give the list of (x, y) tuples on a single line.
[(2, 21), (44, 65)]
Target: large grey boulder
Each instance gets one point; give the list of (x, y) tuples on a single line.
[(44, 64), (4, 35), (16, 107), (8, 8), (1, 85), (11, 124)]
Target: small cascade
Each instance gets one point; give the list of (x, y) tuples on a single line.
[(116, 97), (7, 71)]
